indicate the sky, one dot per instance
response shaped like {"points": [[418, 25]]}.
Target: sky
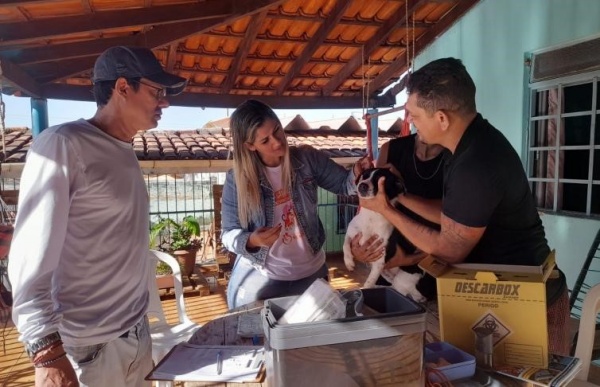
{"points": [[18, 113]]}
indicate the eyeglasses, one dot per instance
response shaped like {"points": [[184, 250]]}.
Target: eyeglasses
{"points": [[161, 92]]}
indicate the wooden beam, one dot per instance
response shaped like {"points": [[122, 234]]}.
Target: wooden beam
{"points": [[243, 50], [160, 36], [314, 18], [22, 32], [324, 29], [12, 3], [87, 6], [61, 69], [82, 93], [171, 57], [19, 78], [437, 29], [398, 19], [52, 71]]}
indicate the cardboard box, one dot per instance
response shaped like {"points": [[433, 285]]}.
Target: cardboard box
{"points": [[499, 306]]}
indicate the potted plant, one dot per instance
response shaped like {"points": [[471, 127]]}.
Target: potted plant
{"points": [[183, 241], [164, 276]]}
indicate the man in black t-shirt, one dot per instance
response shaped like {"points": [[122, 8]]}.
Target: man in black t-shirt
{"points": [[488, 213]]}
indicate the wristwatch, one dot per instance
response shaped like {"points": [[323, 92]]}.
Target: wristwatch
{"points": [[33, 347]]}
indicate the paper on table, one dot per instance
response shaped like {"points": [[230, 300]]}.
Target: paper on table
{"points": [[249, 325], [189, 362], [319, 302]]}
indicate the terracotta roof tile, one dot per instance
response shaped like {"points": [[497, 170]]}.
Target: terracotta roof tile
{"points": [[202, 144]]}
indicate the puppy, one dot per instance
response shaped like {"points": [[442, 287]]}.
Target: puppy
{"points": [[371, 223]]}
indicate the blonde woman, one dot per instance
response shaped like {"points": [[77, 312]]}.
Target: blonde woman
{"points": [[269, 206]]}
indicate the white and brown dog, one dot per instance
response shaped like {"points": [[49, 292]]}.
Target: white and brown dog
{"points": [[371, 223]]}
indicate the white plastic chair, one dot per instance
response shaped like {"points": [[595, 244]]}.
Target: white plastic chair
{"points": [[585, 338], [165, 336]]}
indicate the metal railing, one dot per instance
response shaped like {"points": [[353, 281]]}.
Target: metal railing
{"points": [[178, 195]]}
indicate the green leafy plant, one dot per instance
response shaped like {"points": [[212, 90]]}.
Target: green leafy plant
{"points": [[184, 235], [163, 269]]}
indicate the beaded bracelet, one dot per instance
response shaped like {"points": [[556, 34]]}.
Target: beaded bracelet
{"points": [[46, 363]]}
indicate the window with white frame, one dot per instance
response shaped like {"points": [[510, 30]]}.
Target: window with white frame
{"points": [[564, 143]]}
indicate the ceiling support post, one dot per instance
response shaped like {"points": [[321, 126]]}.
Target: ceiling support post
{"points": [[374, 132], [39, 115]]}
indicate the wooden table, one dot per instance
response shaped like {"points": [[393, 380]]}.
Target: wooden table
{"points": [[223, 331]]}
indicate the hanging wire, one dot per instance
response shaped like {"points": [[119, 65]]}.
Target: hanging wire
{"points": [[2, 126], [362, 57]]}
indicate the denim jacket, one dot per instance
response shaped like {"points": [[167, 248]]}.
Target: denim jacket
{"points": [[312, 169]]}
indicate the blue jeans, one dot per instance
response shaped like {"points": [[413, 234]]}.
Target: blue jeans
{"points": [[247, 284], [124, 361]]}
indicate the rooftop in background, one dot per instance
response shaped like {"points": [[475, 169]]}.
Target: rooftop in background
{"points": [[290, 53], [212, 142]]}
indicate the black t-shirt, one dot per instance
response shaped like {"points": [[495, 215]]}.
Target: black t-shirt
{"points": [[485, 186], [421, 178]]}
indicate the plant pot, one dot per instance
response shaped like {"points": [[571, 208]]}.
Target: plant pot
{"points": [[187, 261], [165, 281]]}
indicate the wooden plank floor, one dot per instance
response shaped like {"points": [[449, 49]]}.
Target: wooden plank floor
{"points": [[16, 370]]}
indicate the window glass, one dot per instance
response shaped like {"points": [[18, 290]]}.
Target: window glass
{"points": [[539, 163], [598, 95], [596, 171], [576, 164], [577, 98], [543, 192], [543, 133], [574, 197], [597, 130], [577, 130], [595, 199], [545, 102]]}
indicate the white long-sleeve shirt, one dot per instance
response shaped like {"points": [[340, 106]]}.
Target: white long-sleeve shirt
{"points": [[78, 259]]}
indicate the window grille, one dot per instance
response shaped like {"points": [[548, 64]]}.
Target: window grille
{"points": [[563, 161]]}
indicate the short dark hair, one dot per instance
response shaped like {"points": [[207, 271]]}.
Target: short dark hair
{"points": [[103, 89], [443, 84]]}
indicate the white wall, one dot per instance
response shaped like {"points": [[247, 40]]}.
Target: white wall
{"points": [[492, 40]]}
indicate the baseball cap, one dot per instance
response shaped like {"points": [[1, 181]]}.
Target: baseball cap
{"points": [[135, 62]]}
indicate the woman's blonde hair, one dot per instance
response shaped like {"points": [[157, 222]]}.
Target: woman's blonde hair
{"points": [[247, 166]]}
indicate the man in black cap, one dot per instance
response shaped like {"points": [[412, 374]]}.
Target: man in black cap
{"points": [[79, 257]]}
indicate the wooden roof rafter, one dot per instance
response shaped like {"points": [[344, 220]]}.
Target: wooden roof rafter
{"points": [[324, 29], [397, 20], [243, 50], [383, 79], [290, 51]]}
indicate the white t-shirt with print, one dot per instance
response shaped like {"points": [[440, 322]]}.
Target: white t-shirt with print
{"points": [[290, 257]]}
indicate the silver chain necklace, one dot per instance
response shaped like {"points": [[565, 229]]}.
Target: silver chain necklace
{"points": [[417, 169]]}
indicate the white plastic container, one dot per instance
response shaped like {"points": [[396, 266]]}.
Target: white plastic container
{"points": [[384, 347]]}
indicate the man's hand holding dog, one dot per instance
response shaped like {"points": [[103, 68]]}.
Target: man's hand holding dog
{"points": [[263, 237], [380, 202], [369, 251]]}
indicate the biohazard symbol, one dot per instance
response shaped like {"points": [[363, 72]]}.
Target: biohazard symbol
{"points": [[490, 323]]}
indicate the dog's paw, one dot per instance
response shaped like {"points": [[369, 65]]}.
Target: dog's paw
{"points": [[417, 297], [350, 264]]}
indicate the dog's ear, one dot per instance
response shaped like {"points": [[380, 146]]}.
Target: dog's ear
{"points": [[400, 186]]}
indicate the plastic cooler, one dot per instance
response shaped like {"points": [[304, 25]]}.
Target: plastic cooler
{"points": [[384, 347]]}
